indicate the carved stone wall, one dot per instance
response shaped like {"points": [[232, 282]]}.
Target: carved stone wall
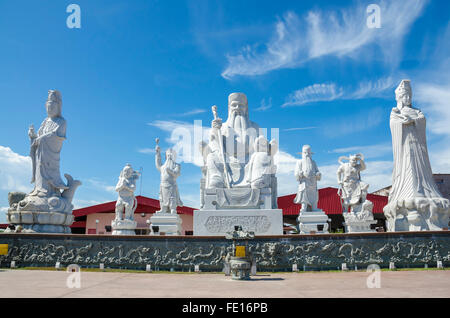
{"points": [[406, 249]]}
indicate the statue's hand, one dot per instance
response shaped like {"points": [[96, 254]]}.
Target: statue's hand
{"points": [[158, 149], [31, 132], [216, 123]]}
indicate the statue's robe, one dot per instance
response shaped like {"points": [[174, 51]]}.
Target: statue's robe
{"points": [[238, 146], [46, 157], [168, 189], [412, 175], [353, 187], [307, 188]]}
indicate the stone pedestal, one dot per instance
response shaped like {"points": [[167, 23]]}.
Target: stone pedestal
{"points": [[169, 224], [40, 222], [357, 224], [220, 222], [123, 227], [313, 221]]}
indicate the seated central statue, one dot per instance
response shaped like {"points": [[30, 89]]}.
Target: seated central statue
{"points": [[231, 146]]}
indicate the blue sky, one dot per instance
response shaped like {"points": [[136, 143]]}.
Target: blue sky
{"points": [[137, 70]]}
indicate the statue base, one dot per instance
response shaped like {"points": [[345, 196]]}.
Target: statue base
{"points": [[40, 221], [167, 223], [220, 222], [313, 221], [358, 224], [123, 227], [417, 214]]}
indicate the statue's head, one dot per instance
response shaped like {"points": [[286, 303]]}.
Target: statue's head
{"points": [[127, 171], [261, 144], [353, 160], [403, 94], [171, 154], [306, 151], [54, 103], [237, 104]]}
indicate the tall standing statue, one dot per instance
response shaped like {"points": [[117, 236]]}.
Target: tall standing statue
{"points": [[415, 203], [169, 197], [311, 218], [238, 185], [353, 193], [307, 174], [126, 204], [166, 219], [48, 208]]}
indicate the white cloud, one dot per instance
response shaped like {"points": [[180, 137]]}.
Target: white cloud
{"points": [[185, 138], [373, 88], [313, 93], [15, 171], [285, 163], [351, 124], [193, 112], [98, 184], [330, 92], [265, 105], [147, 150], [297, 40], [299, 128], [371, 151]]}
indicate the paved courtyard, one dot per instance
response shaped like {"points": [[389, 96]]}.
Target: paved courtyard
{"points": [[37, 283]]}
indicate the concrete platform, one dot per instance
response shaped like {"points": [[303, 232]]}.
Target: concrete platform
{"points": [[37, 283]]}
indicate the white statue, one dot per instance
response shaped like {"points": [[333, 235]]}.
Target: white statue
{"points": [[307, 174], [169, 198], [352, 190], [261, 168], [238, 185], [415, 202], [50, 193], [126, 203], [228, 154], [353, 193]]}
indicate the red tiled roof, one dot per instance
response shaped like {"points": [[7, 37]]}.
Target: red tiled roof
{"points": [[145, 205], [329, 202]]}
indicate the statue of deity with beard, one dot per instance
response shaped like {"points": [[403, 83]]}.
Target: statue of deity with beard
{"points": [[227, 156]]}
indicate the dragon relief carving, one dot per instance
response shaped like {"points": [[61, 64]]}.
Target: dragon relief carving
{"points": [[269, 253]]}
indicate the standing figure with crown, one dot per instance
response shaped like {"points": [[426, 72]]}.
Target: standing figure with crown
{"points": [[48, 208], [415, 203]]}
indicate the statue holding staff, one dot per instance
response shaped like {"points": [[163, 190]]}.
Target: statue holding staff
{"points": [[169, 197]]}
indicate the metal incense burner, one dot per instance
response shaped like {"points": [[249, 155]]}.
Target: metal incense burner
{"points": [[240, 260]]}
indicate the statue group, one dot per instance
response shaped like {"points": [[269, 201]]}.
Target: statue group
{"points": [[239, 185]]}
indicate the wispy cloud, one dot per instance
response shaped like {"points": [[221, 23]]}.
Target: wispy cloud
{"points": [[373, 88], [297, 40], [371, 151], [299, 128], [313, 93], [192, 112], [101, 185], [352, 124], [331, 92], [264, 105], [147, 150]]}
